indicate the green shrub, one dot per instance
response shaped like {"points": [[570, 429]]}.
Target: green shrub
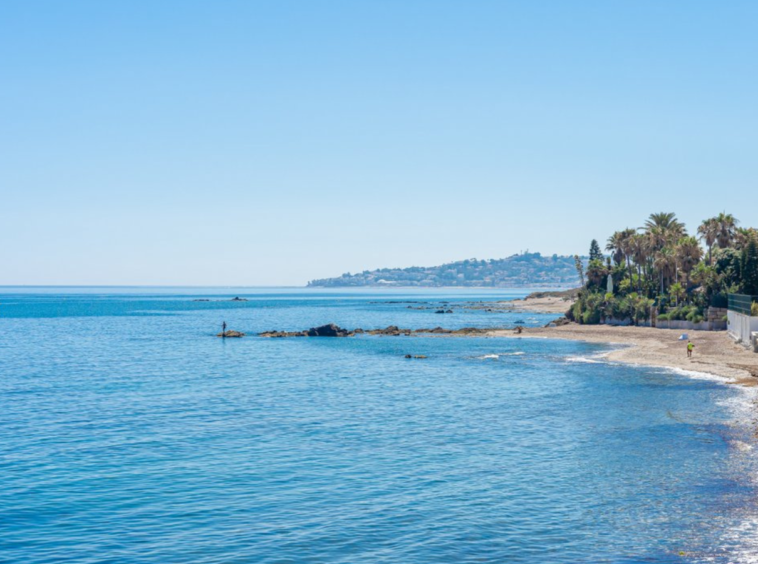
{"points": [[591, 317]]}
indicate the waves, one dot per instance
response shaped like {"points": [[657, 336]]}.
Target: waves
{"points": [[497, 356]]}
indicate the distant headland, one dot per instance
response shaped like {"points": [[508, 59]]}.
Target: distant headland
{"points": [[521, 270]]}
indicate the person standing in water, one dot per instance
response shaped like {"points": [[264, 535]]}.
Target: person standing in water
{"points": [[223, 329], [690, 346]]}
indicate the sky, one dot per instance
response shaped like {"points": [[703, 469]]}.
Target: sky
{"points": [[273, 142]]}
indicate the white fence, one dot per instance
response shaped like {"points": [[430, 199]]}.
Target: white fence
{"points": [[741, 327]]}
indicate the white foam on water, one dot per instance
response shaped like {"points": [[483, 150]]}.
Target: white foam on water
{"points": [[695, 375], [497, 356], [597, 359], [740, 540]]}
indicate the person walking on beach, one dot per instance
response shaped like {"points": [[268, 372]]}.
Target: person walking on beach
{"points": [[690, 346]]}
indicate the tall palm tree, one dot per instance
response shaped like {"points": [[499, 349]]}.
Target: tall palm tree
{"points": [[664, 262], [615, 245], [620, 244], [726, 229], [638, 250], [667, 221], [656, 238], [688, 253], [707, 233]]}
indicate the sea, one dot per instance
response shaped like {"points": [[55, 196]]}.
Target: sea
{"points": [[131, 434]]}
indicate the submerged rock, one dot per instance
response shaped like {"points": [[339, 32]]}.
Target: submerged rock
{"points": [[392, 330]]}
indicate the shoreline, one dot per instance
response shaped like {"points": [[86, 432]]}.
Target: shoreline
{"points": [[715, 352], [542, 304]]}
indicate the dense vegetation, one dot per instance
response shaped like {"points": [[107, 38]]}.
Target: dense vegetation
{"points": [[661, 267], [526, 269]]}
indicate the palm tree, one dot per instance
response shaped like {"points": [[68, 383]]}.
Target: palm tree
{"points": [[596, 272], [616, 246], [667, 221], [638, 249], [688, 254], [665, 263], [620, 244], [743, 235], [656, 238], [726, 229], [707, 233], [677, 292]]}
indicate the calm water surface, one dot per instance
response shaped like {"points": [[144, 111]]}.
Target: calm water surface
{"points": [[130, 434]]}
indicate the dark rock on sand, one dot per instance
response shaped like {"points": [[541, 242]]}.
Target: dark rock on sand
{"points": [[558, 322]]}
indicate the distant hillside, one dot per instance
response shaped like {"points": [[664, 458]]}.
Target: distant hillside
{"points": [[528, 269]]}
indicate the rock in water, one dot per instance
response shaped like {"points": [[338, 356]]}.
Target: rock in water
{"points": [[330, 330], [230, 334]]}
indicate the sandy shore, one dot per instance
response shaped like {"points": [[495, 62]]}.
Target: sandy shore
{"points": [[538, 305], [715, 352]]}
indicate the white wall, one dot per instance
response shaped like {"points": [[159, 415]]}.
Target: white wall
{"points": [[740, 326]]}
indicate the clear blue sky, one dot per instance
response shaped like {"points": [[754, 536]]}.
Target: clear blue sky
{"points": [[263, 143]]}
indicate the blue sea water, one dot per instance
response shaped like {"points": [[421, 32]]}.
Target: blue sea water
{"points": [[129, 433]]}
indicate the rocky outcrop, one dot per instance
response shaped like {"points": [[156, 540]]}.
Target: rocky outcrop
{"points": [[333, 330], [558, 322], [230, 334], [330, 330], [392, 330]]}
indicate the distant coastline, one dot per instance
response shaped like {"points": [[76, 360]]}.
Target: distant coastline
{"points": [[526, 270]]}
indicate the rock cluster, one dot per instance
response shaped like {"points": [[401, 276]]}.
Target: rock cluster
{"points": [[230, 334], [558, 322], [333, 330]]}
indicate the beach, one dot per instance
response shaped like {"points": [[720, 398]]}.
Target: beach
{"points": [[715, 352], [546, 304]]}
